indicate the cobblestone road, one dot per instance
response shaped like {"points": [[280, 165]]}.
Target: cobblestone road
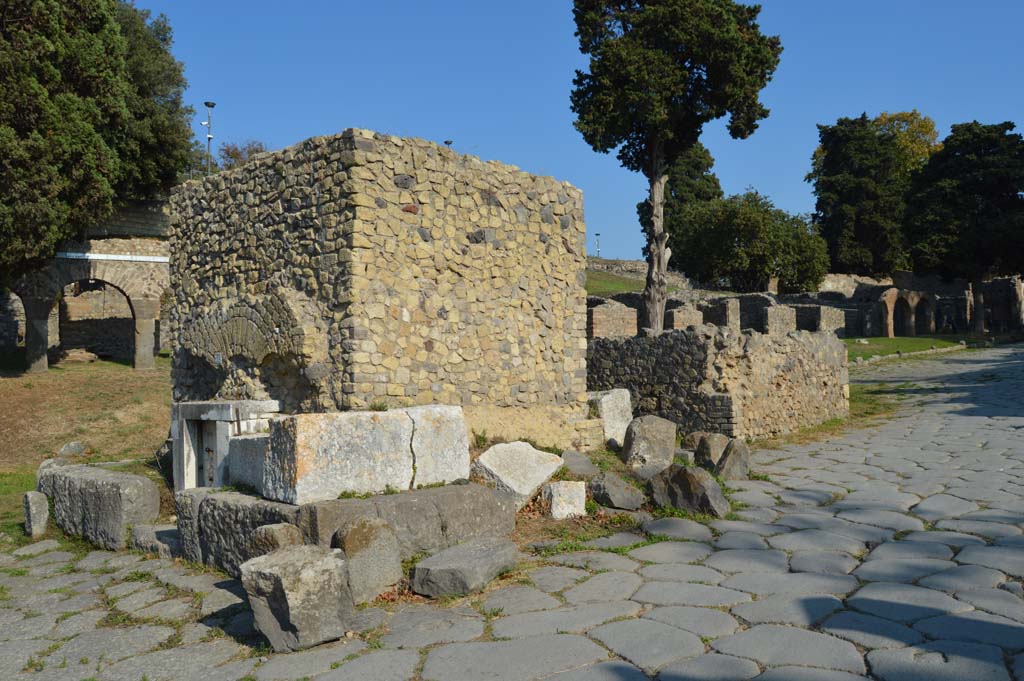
{"points": [[894, 554]]}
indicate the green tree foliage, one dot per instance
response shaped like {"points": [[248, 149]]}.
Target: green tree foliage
{"points": [[741, 242], [90, 113], [659, 70], [860, 186], [233, 155], [965, 213], [915, 136]]}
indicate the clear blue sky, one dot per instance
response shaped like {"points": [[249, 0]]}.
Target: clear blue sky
{"points": [[495, 78]]}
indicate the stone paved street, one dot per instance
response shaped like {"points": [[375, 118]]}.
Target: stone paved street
{"points": [[894, 554]]}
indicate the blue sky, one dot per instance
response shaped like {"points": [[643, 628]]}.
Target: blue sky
{"points": [[495, 78]]}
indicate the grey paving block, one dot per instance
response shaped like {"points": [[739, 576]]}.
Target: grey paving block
{"points": [[679, 572], [619, 540], [595, 560], [110, 645], [682, 593], [748, 560], [1008, 559], [423, 625], [464, 568], [513, 600], [869, 631], [786, 609], [740, 540], [764, 584], [672, 552], [554, 579], [805, 674], [613, 670], [208, 661], [887, 519], [772, 645], [825, 562], [816, 540], [606, 586], [706, 622], [980, 527], [939, 660], [648, 644], [954, 539], [975, 627], [897, 550], [678, 528], [963, 578], [575, 619], [903, 602], [521, 660], [308, 662], [710, 667], [900, 569], [997, 601]]}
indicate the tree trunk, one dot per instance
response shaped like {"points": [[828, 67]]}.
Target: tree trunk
{"points": [[978, 318], [656, 290]]}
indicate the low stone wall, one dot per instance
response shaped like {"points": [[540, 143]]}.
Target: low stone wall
{"points": [[709, 378], [611, 319]]}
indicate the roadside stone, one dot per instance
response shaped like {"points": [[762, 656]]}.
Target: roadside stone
{"points": [[869, 631], [37, 513], [574, 619], [269, 538], [160, 540], [734, 464], [648, 644], [649, 446], [604, 587], [688, 488], [706, 622], [579, 464], [903, 602], [772, 645], [939, 660], [226, 522], [678, 528], [608, 489], [371, 556], [565, 499], [186, 508], [533, 658], [802, 611], [709, 450], [71, 449], [710, 667], [514, 600], [517, 468], [299, 596], [464, 568], [615, 409]]}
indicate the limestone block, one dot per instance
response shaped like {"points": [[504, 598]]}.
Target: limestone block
{"points": [[37, 513], [98, 504], [186, 509], [246, 456], [688, 488], [517, 468], [226, 522], [464, 568], [269, 538], [315, 457], [161, 540], [615, 410], [710, 448], [735, 461], [299, 596], [371, 553], [649, 445], [565, 499], [440, 444], [608, 489]]}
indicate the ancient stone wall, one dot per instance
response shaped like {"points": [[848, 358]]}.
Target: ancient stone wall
{"points": [[743, 385], [361, 269], [610, 319]]}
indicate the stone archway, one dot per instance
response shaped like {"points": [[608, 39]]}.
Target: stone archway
{"points": [[903, 317], [924, 317]]}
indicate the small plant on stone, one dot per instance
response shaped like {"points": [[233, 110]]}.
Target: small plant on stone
{"points": [[378, 405], [480, 440], [763, 477]]}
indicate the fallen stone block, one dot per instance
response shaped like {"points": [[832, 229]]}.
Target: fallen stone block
{"points": [[371, 554], [299, 596], [162, 540], [75, 448], [245, 460], [469, 511], [579, 464], [615, 409], [269, 538], [98, 504], [37, 513], [688, 488], [464, 568], [186, 509], [565, 499], [735, 461], [691, 440], [710, 449], [226, 522], [517, 468], [608, 489], [649, 446]]}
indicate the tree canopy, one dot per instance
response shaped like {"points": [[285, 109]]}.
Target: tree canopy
{"points": [[90, 114], [659, 71], [233, 155], [741, 242]]}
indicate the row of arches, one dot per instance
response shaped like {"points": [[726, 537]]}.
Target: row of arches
{"points": [[909, 313]]}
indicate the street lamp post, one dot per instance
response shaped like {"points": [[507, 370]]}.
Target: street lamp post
{"points": [[208, 124], [598, 235]]}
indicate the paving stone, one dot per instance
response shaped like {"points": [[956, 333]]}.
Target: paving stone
{"points": [[576, 619], [37, 548], [464, 568], [36, 626], [900, 569], [678, 528], [765, 584], [423, 625], [998, 601], [77, 624], [613, 670], [206, 661], [825, 562], [710, 667], [786, 609], [816, 540], [772, 645], [955, 539], [897, 550], [140, 599], [903, 602], [975, 627], [173, 610], [740, 540], [648, 644], [964, 577], [606, 586], [384, 665], [869, 631], [513, 600], [596, 560], [619, 540], [980, 528], [552, 579], [520, 660], [887, 519], [1005, 558], [940, 506], [742, 560], [706, 622], [14, 655], [672, 552], [678, 572], [763, 529], [805, 674], [682, 593], [46, 559], [307, 662], [109, 645], [939, 660]]}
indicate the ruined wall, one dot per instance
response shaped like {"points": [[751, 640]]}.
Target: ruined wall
{"points": [[748, 385], [377, 269]]}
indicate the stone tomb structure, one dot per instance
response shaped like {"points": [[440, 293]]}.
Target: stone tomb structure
{"points": [[366, 272]]}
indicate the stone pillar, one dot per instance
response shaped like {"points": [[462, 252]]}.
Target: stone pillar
{"points": [[146, 312], [37, 334]]}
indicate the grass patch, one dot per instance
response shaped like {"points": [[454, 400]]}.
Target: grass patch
{"points": [[891, 346], [605, 284]]}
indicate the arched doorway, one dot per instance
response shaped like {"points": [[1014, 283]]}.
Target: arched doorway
{"points": [[902, 318], [97, 317], [924, 317]]}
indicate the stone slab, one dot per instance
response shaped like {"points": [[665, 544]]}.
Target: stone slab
{"points": [[464, 568], [516, 468]]}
